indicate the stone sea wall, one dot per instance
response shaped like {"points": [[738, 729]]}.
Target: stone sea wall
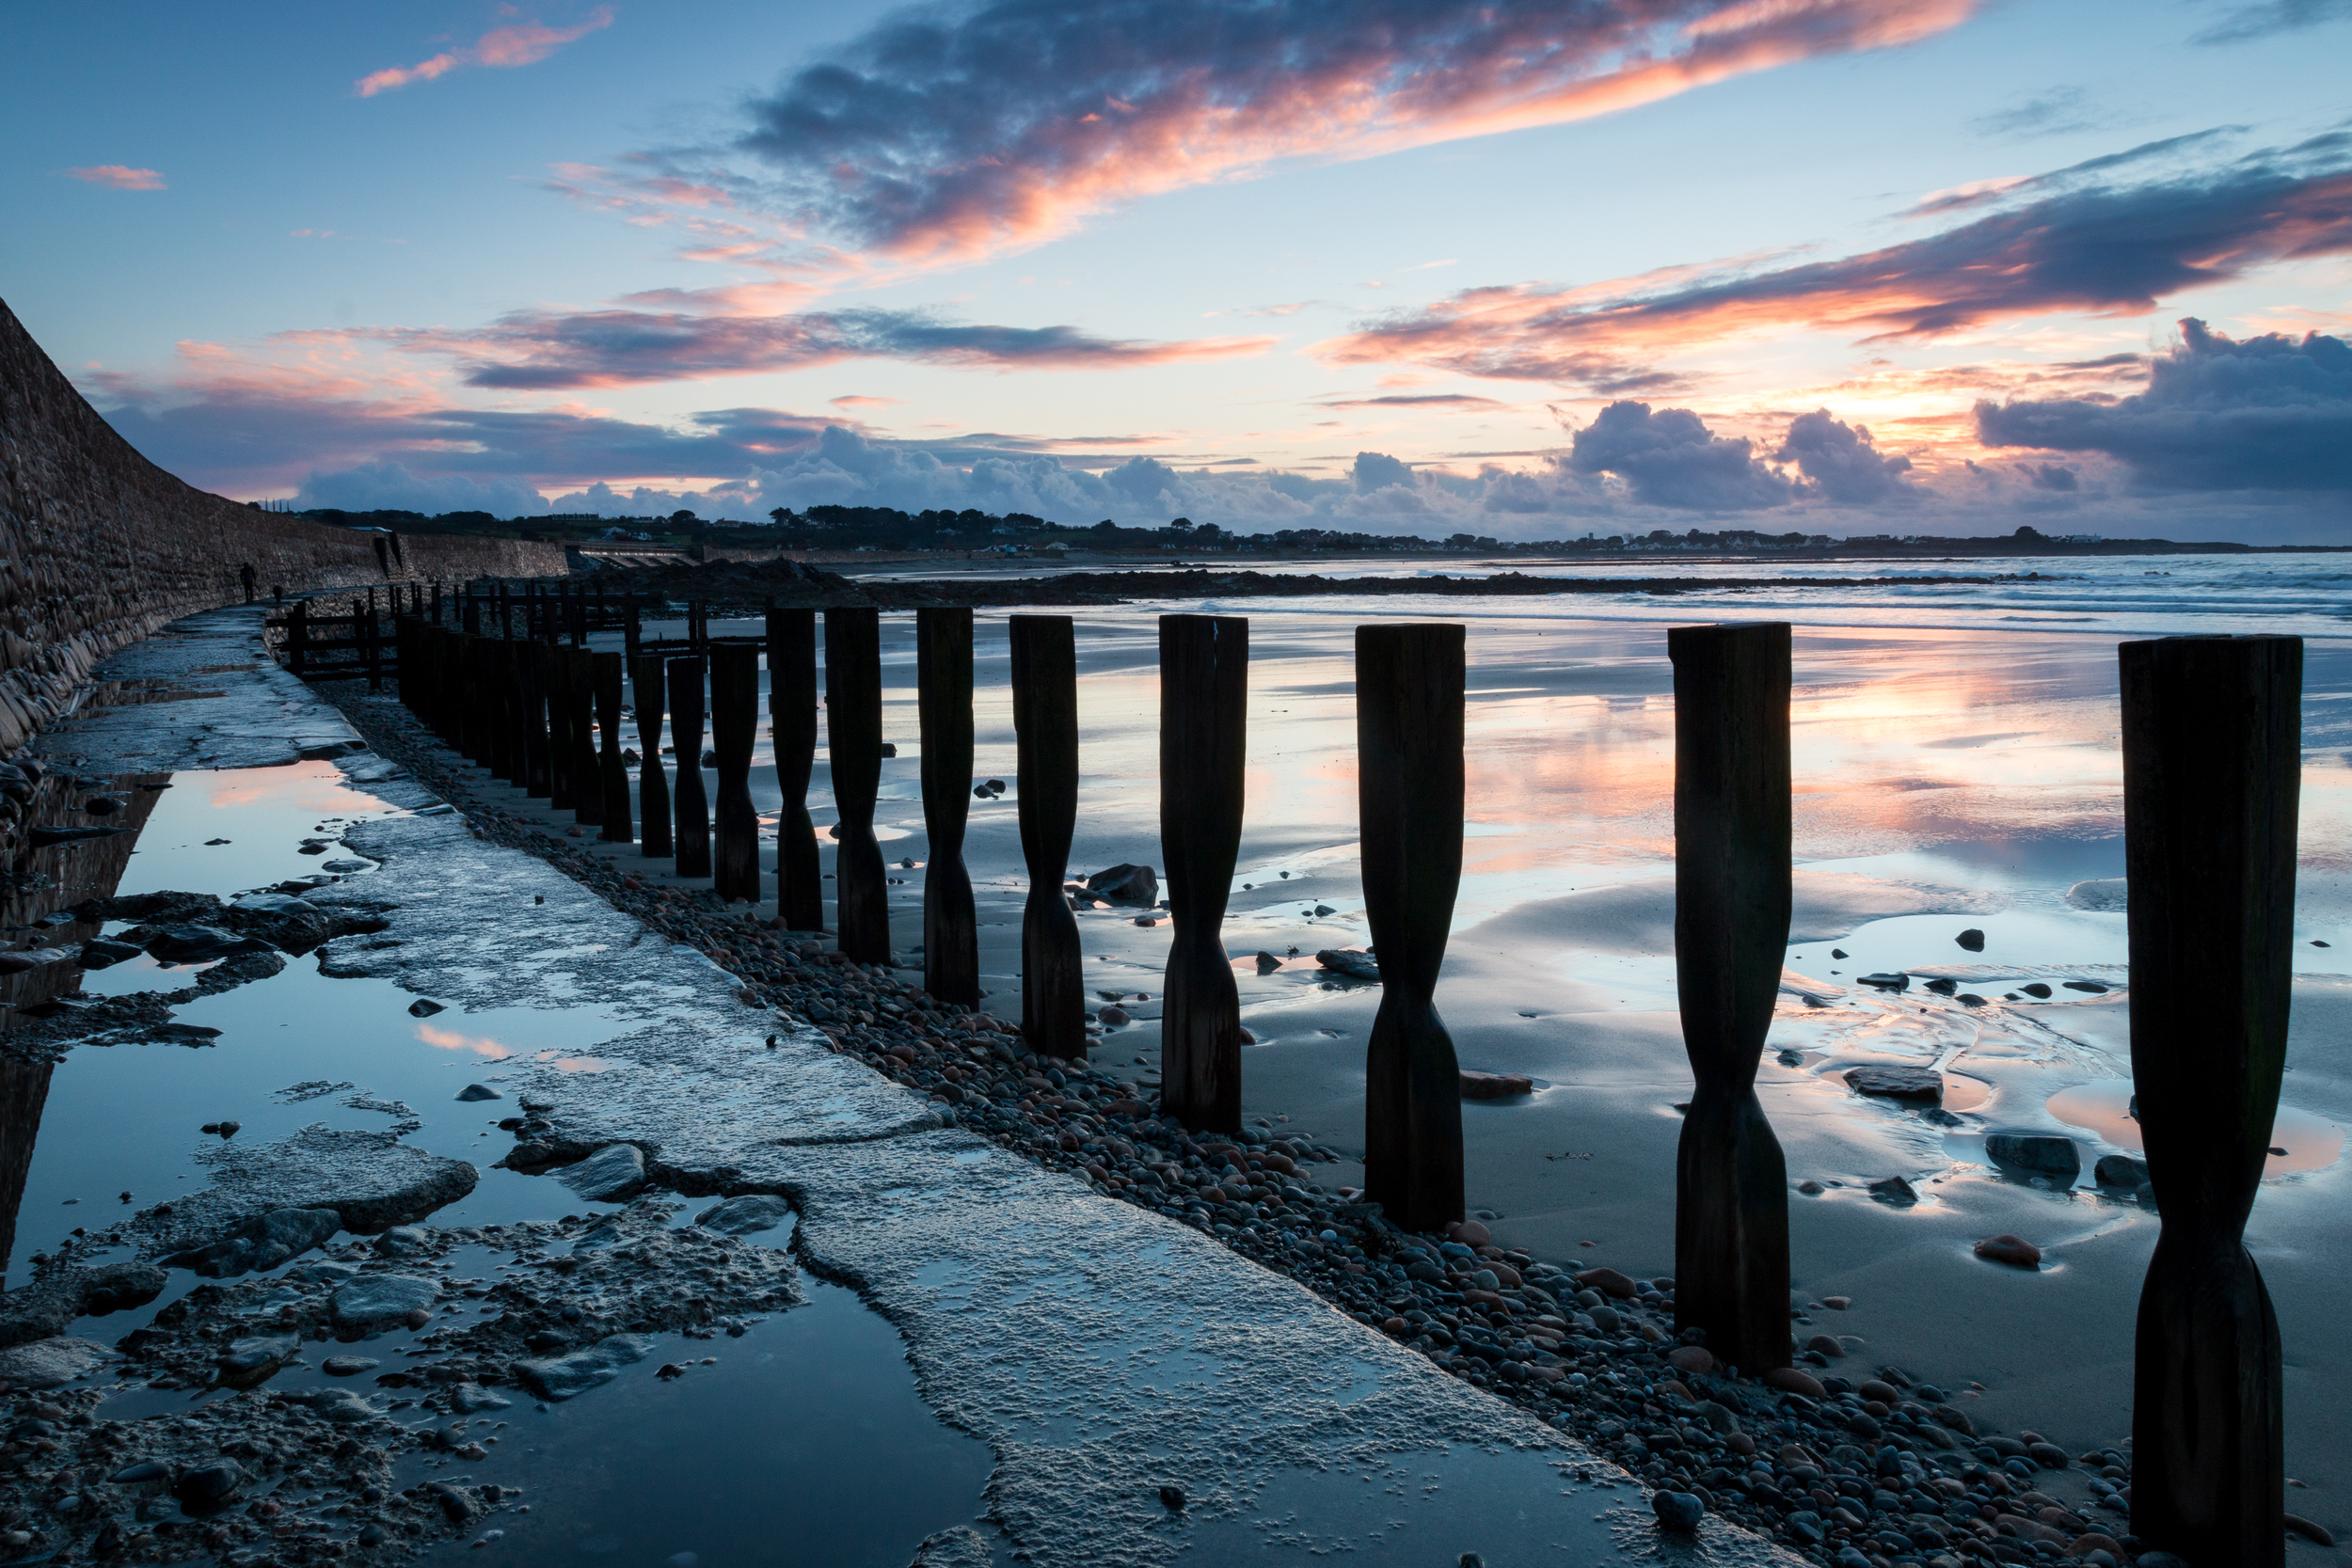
{"points": [[98, 547]]}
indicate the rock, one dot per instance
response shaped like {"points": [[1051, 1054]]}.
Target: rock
{"points": [[120, 1287], [475, 1092], [1971, 939], [2107, 894], [2041, 1154], [349, 1365], [425, 1008], [48, 1363], [1173, 1497], [1837, 1304], [1881, 1390], [2089, 987], [2121, 1170], [564, 1376], [25, 958], [196, 944], [210, 1485], [144, 1474], [370, 1180], [1125, 884], [341, 1406], [960, 1547], [1943, 987], [1470, 1234], [1608, 1282], [470, 1397], [104, 952], [1677, 1511], [2009, 1249], [1113, 1017], [747, 1216], [381, 1300], [1894, 981], [1355, 966], [1824, 1344], [1694, 1359], [262, 1241], [613, 1174], [1495, 1085], [1789, 1380], [252, 1360], [1268, 963], [1896, 1083], [1894, 1190]]}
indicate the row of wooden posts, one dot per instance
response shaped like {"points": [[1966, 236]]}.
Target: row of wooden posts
{"points": [[2211, 763], [312, 630]]}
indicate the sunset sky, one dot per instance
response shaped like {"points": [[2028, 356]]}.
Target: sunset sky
{"points": [[1529, 270]]}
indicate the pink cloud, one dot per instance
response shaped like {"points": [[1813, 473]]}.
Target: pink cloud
{"points": [[519, 44], [119, 176]]}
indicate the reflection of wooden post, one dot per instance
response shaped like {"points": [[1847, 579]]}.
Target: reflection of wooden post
{"points": [[1046, 723], [734, 731], [2212, 754], [587, 777], [853, 722], [1409, 744], [613, 771], [1731, 933], [692, 815], [951, 938], [1204, 689], [650, 692], [792, 731]]}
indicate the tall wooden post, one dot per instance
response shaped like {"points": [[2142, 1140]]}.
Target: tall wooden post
{"points": [[692, 814], [479, 720], [499, 682], [792, 732], [1409, 744], [734, 732], [562, 790], [530, 717], [368, 647], [2212, 762], [952, 937], [1731, 936], [649, 690], [298, 638], [587, 777], [632, 631], [1204, 690], [853, 722], [1045, 728], [605, 671]]}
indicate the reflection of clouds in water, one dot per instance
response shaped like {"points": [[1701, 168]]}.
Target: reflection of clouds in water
{"points": [[2103, 1107], [448, 1040], [562, 1063], [312, 787]]}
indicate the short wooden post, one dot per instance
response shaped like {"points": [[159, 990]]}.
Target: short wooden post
{"points": [[1409, 744], [2212, 764], [952, 937], [506, 734], [587, 775], [531, 688], [853, 724], [1045, 730], [734, 732], [691, 817], [368, 646], [607, 673], [792, 732], [649, 691], [1204, 689], [472, 611], [1731, 936], [632, 631], [299, 639]]}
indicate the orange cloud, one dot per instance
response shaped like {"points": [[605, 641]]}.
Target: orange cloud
{"points": [[120, 177], [519, 44]]}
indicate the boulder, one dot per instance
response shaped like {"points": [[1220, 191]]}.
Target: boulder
{"points": [[1896, 1083], [1355, 966], [613, 1174], [374, 1300], [475, 1093], [1972, 939], [563, 1377], [120, 1287], [2039, 1154], [196, 944], [262, 1241], [2121, 1170], [2012, 1250], [1125, 884]]}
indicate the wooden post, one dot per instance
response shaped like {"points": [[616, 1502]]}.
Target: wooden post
{"points": [[633, 632], [499, 687], [606, 672], [1045, 728], [297, 638], [1731, 937], [547, 661], [2212, 762], [1204, 690], [649, 690], [951, 936], [692, 815], [792, 732], [531, 692], [472, 611], [587, 774], [1408, 776], [853, 724], [734, 732]]}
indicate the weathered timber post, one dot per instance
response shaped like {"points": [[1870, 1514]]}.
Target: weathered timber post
{"points": [[579, 616], [2212, 759], [587, 778], [632, 632], [370, 649], [547, 663], [734, 732], [614, 773], [1204, 689], [792, 733], [1408, 743], [650, 692], [531, 719], [472, 724], [853, 723], [404, 662], [692, 815], [437, 601], [472, 611], [1045, 729], [951, 936], [504, 737], [1731, 937], [297, 638]]}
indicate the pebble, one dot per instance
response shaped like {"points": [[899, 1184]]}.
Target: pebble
{"points": [[473, 1092], [1677, 1511], [2009, 1250], [349, 1365]]}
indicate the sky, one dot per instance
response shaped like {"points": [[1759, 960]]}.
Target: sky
{"points": [[1532, 269]]}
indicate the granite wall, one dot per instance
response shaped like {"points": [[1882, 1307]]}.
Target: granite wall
{"points": [[98, 547]]}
